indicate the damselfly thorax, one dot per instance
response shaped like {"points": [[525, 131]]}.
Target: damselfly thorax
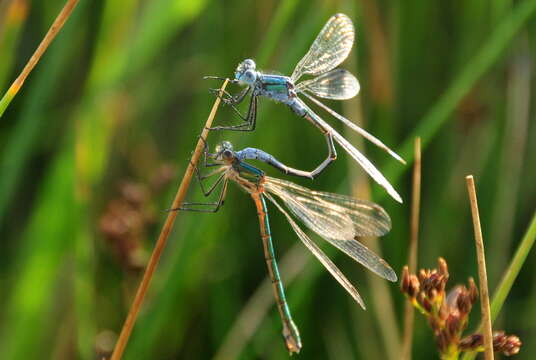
{"points": [[279, 88]]}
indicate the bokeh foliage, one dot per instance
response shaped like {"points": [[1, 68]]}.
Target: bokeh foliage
{"points": [[120, 93]]}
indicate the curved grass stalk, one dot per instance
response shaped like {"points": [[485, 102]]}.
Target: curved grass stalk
{"points": [[164, 234], [43, 46], [412, 252]]}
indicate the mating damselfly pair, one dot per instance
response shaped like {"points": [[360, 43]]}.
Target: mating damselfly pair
{"points": [[338, 219]]}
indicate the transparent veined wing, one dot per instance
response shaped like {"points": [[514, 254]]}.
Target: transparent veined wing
{"points": [[330, 48], [338, 219], [356, 128], [320, 255], [332, 215], [338, 84], [354, 153]]}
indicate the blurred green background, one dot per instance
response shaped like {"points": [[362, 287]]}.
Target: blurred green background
{"points": [[93, 148]]}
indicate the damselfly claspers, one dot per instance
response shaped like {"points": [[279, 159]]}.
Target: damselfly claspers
{"points": [[338, 219]]}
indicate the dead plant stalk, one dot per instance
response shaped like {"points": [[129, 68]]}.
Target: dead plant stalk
{"points": [[482, 275], [164, 234], [412, 252], [43, 46]]}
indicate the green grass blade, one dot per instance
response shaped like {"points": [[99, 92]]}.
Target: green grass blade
{"points": [[513, 270], [45, 244]]}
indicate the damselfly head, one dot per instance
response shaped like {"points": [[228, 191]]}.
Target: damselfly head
{"points": [[246, 72], [224, 151]]}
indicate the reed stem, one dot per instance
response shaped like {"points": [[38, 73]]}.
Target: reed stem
{"points": [[482, 275], [412, 252], [164, 234]]}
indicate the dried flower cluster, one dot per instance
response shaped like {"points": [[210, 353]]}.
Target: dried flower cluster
{"points": [[448, 314], [507, 344]]}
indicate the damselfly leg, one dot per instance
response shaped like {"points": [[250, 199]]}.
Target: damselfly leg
{"points": [[207, 206], [250, 119]]}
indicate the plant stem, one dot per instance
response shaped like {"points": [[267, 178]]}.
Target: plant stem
{"points": [[51, 34], [164, 234], [412, 253], [510, 275], [483, 278]]}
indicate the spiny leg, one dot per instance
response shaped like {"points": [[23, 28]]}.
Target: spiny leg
{"points": [[201, 178], [250, 119], [232, 101], [192, 206]]}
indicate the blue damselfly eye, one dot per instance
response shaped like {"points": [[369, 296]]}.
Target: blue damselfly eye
{"points": [[249, 76], [249, 64]]}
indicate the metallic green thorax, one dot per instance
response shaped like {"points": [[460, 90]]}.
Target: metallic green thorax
{"points": [[249, 172]]}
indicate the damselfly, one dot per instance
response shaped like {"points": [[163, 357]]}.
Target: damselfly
{"points": [[338, 219], [330, 48]]}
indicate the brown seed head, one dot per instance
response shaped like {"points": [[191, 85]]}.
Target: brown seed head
{"points": [[423, 275], [507, 344], [464, 303], [453, 296], [432, 295], [435, 324], [442, 341], [471, 342], [473, 291], [443, 268], [453, 326], [414, 286]]}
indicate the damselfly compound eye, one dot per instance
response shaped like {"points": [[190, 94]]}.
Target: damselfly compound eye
{"points": [[249, 64], [250, 76]]}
